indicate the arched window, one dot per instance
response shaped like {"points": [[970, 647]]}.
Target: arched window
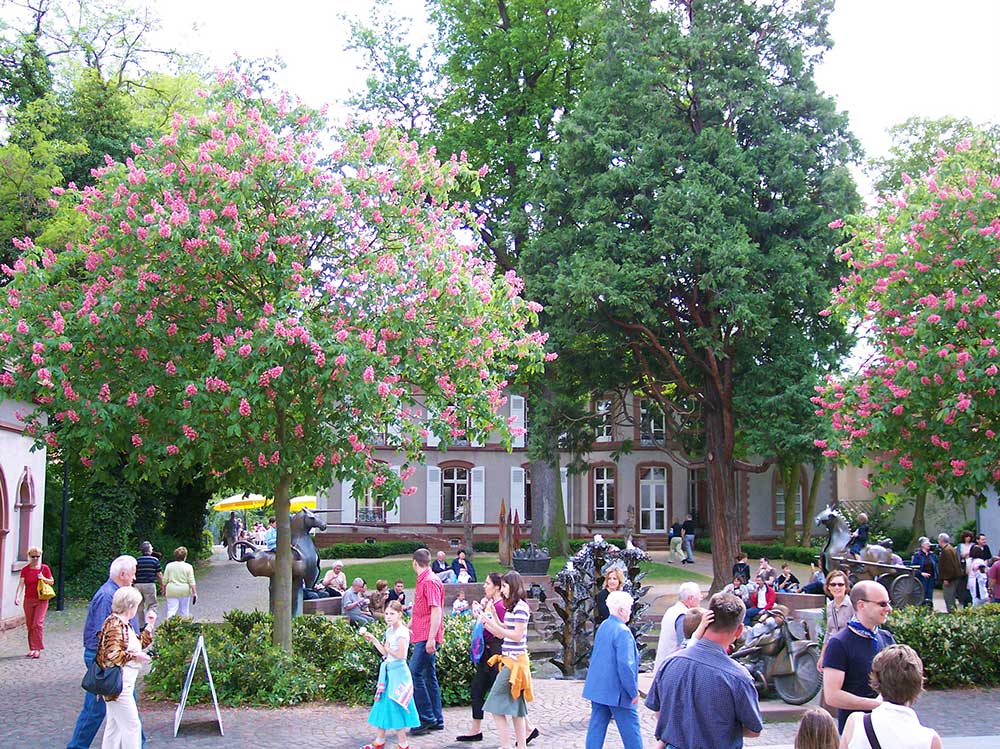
{"points": [[454, 493], [778, 497], [25, 506]]}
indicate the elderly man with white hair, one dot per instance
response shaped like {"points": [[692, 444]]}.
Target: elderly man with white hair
{"points": [[355, 604], [120, 575], [672, 624], [612, 684]]}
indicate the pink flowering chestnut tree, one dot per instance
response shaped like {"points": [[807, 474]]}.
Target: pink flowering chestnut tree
{"points": [[923, 283], [242, 301]]}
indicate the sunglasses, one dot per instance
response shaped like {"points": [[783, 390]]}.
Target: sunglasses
{"points": [[881, 604], [836, 585], [36, 556]]}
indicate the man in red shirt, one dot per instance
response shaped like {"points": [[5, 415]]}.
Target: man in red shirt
{"points": [[993, 578], [426, 633]]}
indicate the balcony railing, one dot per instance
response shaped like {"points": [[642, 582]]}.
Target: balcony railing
{"points": [[371, 514]]}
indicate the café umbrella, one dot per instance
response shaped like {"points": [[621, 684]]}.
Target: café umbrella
{"points": [[255, 501]]}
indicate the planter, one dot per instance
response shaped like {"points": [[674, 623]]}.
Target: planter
{"points": [[535, 566]]}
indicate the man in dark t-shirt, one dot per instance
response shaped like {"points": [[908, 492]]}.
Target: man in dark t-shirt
{"points": [[847, 662], [688, 535], [148, 579]]}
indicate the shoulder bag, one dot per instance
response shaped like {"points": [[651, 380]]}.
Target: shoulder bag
{"points": [[45, 591], [870, 732], [104, 682]]}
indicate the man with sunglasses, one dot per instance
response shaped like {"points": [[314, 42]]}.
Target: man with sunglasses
{"points": [[847, 661]]}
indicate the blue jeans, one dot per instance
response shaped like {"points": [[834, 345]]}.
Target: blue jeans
{"points": [[88, 723], [689, 546], [426, 694], [928, 584], [751, 613], [626, 718]]}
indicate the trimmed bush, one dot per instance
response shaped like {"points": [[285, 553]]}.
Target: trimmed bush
{"points": [[802, 554], [958, 650], [381, 549], [331, 661]]}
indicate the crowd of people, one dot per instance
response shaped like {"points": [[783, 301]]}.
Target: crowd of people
{"points": [[701, 695]]}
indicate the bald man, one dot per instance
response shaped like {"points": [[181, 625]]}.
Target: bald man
{"points": [[847, 662]]}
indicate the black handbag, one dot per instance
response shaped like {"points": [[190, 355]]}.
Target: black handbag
{"points": [[103, 682]]}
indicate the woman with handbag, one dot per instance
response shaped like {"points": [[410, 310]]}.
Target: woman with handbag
{"points": [[120, 647], [35, 589]]}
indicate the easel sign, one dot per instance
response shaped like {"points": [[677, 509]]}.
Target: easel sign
{"points": [[199, 649]]}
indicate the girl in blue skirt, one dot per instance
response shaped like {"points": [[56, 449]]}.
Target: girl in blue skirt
{"points": [[394, 708]]}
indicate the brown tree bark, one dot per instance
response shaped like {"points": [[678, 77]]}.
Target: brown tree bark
{"points": [[720, 465], [919, 519], [282, 580]]}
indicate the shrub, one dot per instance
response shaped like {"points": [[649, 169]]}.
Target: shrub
{"points": [[801, 554], [958, 650], [330, 661]]}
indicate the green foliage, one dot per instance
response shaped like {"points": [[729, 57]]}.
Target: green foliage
{"points": [[803, 555], [376, 550], [330, 661], [958, 650]]}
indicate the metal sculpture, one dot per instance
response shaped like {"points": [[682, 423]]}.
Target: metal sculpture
{"points": [[840, 538], [305, 559], [578, 584]]}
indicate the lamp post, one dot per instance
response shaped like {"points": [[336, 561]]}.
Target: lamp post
{"points": [[60, 598]]}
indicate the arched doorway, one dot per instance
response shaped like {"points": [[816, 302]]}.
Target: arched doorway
{"points": [[4, 528]]}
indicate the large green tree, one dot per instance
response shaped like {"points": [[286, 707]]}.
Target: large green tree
{"points": [[688, 207]]}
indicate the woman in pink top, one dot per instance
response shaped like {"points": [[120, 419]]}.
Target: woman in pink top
{"points": [[34, 607]]}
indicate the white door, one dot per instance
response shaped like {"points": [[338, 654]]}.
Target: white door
{"points": [[653, 500]]}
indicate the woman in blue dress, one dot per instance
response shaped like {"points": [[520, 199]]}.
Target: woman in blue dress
{"points": [[393, 708]]}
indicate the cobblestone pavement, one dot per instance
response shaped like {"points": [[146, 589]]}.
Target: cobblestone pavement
{"points": [[41, 698]]}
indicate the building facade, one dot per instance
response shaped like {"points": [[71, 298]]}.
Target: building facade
{"points": [[643, 489], [22, 503]]}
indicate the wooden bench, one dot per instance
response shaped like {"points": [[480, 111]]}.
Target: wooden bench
{"points": [[325, 606]]}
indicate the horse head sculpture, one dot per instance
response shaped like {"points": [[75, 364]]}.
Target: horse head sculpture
{"points": [[840, 537]]}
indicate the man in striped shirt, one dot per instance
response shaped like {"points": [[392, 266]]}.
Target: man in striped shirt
{"points": [[148, 578]]}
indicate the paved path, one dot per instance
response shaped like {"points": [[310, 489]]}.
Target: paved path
{"points": [[45, 695]]}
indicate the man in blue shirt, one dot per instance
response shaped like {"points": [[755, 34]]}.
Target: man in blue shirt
{"points": [[705, 699], [612, 684], [121, 574], [271, 537]]}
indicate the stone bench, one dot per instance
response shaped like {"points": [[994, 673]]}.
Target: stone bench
{"points": [[325, 606], [796, 601]]}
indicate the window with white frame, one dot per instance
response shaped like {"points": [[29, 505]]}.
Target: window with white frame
{"points": [[605, 427], [779, 503], [696, 487], [604, 494], [372, 510], [652, 423], [454, 494]]}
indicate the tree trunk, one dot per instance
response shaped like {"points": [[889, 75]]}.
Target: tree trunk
{"points": [[548, 517], [819, 469], [282, 580], [919, 519], [790, 481], [720, 471]]}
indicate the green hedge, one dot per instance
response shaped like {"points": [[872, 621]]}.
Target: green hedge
{"points": [[331, 661], [805, 555], [958, 650], [381, 549]]}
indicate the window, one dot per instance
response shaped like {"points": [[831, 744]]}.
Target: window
{"points": [[454, 494], [652, 499], [652, 423], [604, 494], [373, 509], [779, 503], [605, 429], [25, 504], [696, 490], [527, 495]]}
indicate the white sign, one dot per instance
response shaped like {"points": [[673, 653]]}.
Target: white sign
{"points": [[199, 649]]}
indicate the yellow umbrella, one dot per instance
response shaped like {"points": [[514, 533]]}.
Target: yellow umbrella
{"points": [[239, 502], [300, 503]]}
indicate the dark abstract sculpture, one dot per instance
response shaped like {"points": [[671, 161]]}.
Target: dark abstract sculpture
{"points": [[531, 560], [305, 559], [578, 584]]}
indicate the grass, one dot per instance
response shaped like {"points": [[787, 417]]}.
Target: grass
{"points": [[393, 568]]}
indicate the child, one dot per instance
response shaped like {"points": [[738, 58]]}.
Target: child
{"points": [[817, 731], [787, 582], [978, 580], [859, 539], [377, 600], [460, 606], [394, 708]]}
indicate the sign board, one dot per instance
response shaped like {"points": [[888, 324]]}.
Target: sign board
{"points": [[199, 649]]}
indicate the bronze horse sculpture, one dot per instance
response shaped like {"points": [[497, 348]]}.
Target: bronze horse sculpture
{"points": [[305, 559], [840, 538]]}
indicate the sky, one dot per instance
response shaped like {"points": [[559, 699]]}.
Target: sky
{"points": [[892, 58]]}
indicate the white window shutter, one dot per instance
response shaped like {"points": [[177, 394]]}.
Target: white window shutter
{"points": [[564, 478], [348, 507], [433, 495], [517, 414], [392, 516], [432, 439], [517, 492], [479, 495]]}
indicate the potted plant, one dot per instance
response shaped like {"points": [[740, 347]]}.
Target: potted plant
{"points": [[532, 560]]}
